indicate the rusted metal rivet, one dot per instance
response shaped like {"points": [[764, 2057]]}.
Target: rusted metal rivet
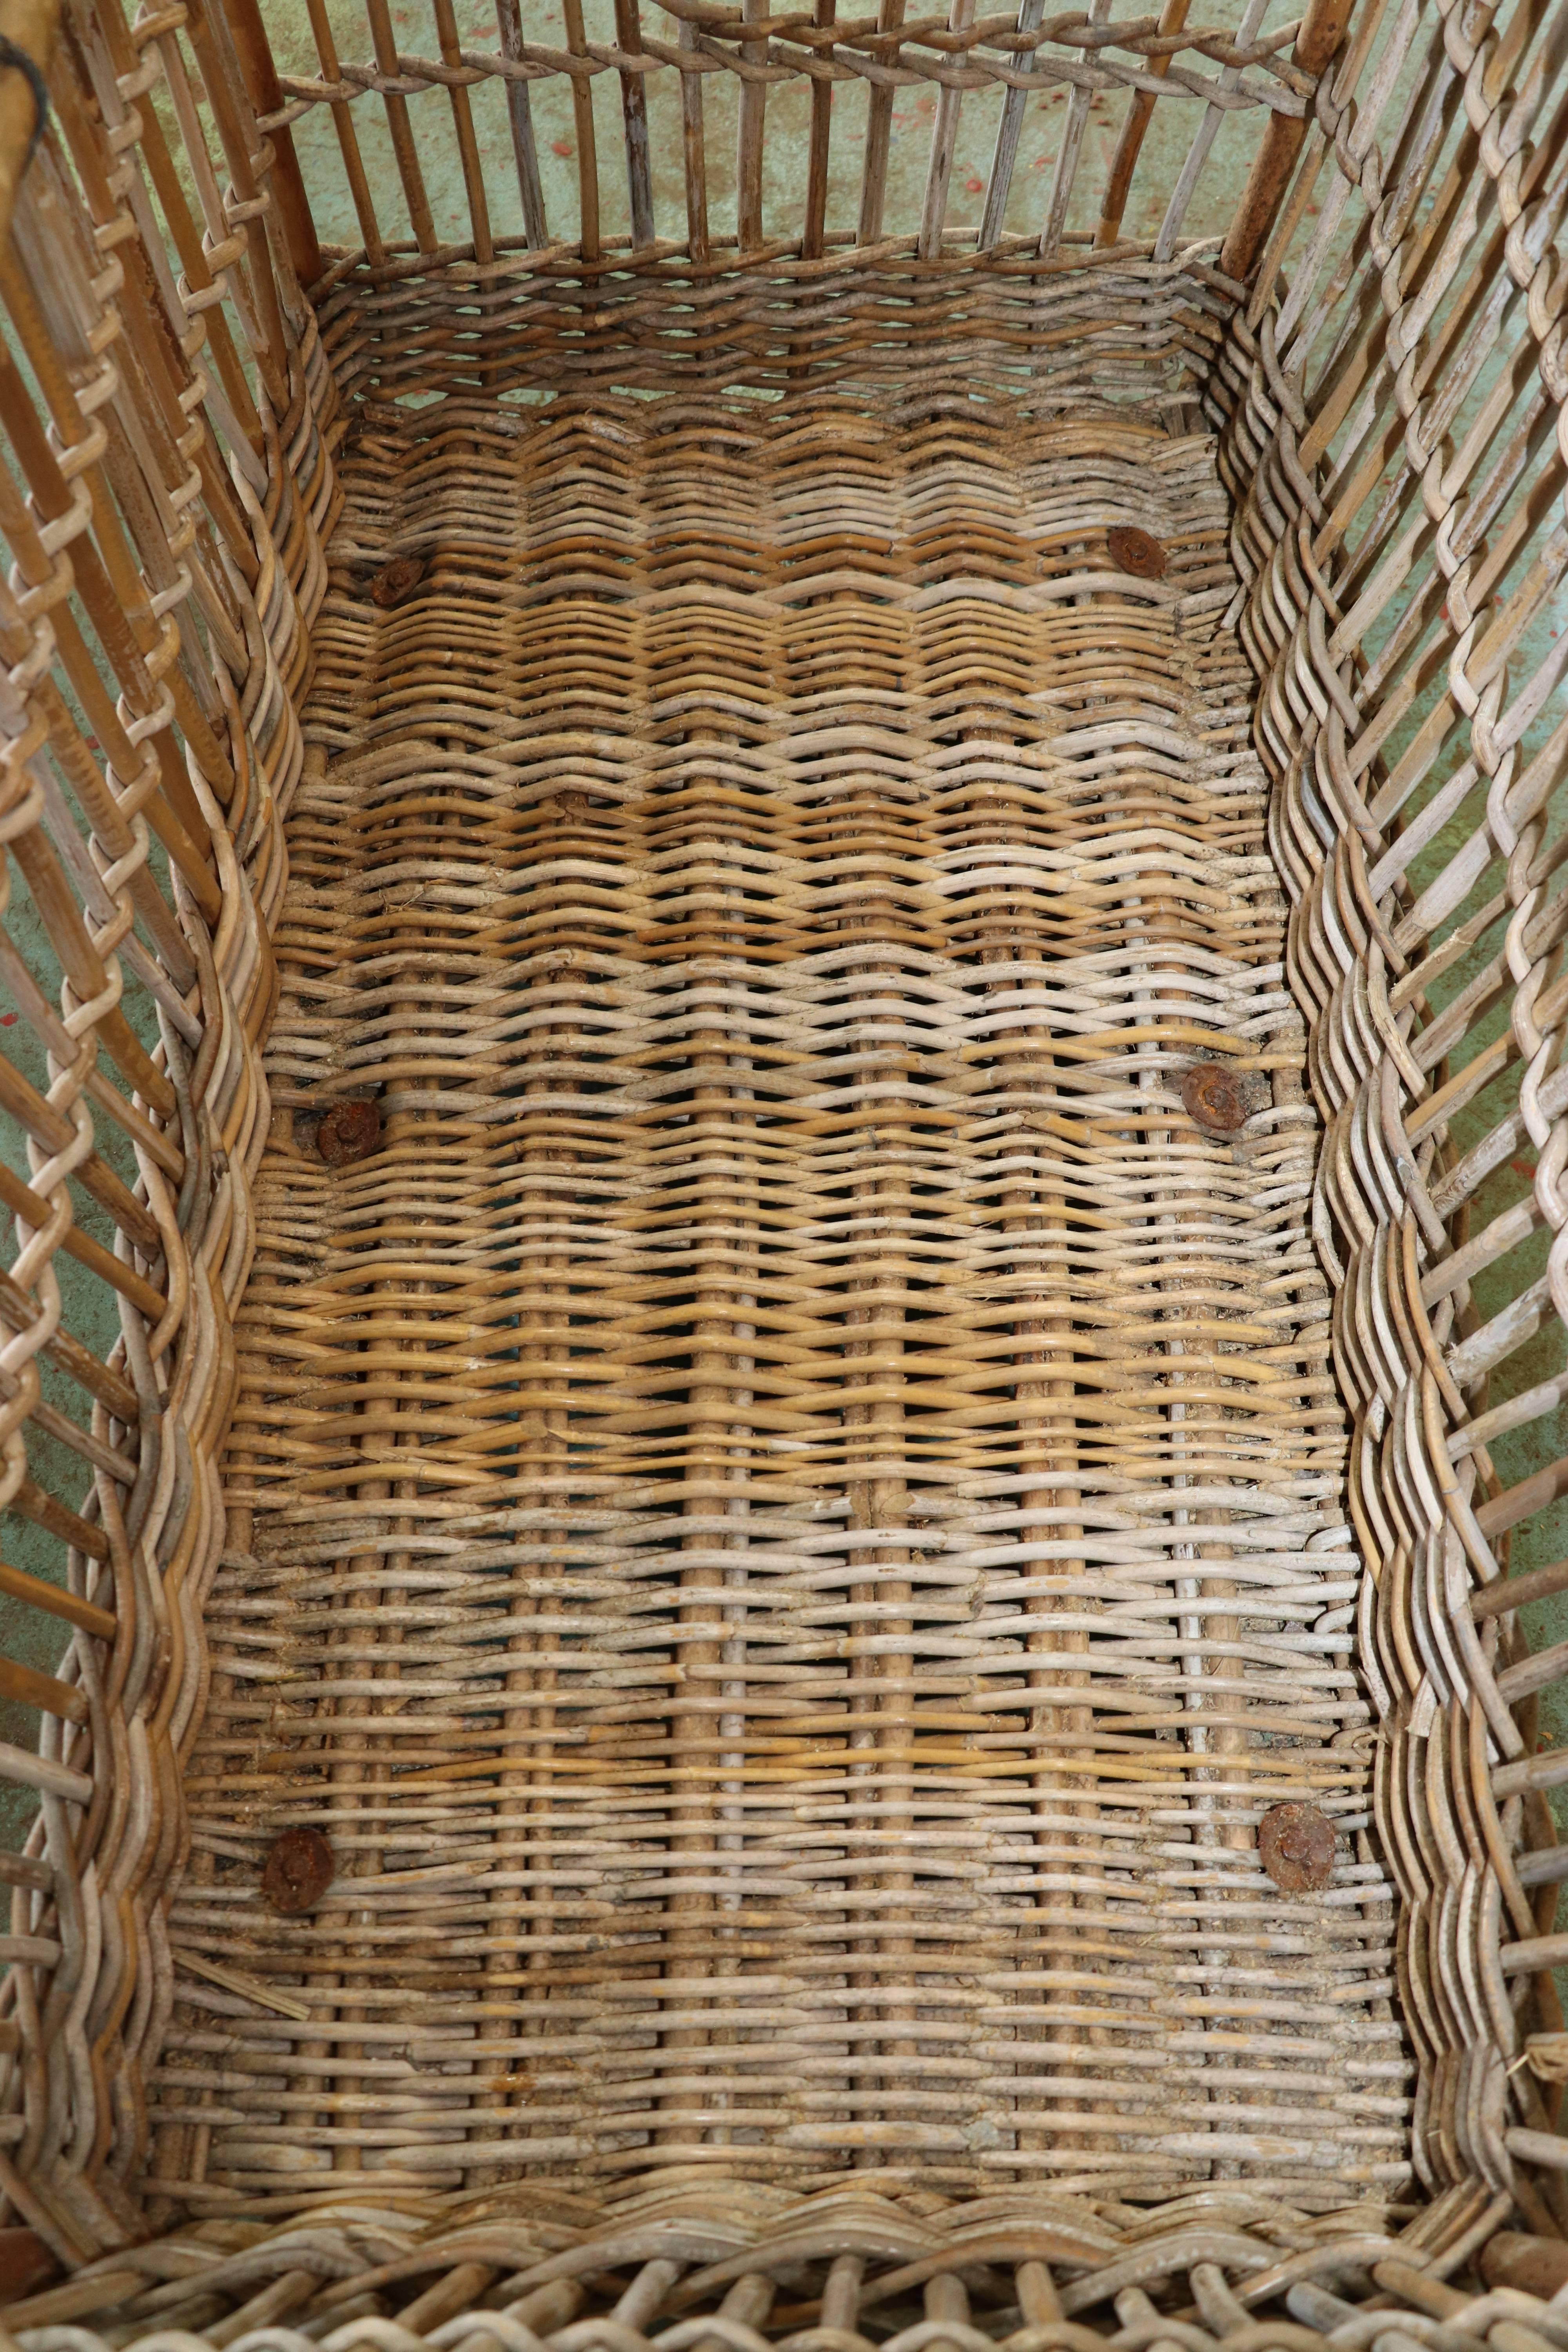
{"points": [[399, 578], [25, 2262], [1134, 551], [298, 1871], [1296, 1847], [1214, 1096], [348, 1131]]}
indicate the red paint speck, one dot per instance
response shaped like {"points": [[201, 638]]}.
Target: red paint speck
{"points": [[1524, 1168], [6, 1019], [560, 147], [973, 185]]}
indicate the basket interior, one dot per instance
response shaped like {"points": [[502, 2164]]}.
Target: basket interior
{"points": [[793, 1496], [684, 1506]]}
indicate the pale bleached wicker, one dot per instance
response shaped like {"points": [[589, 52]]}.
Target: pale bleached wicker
{"points": [[789, 1520]]}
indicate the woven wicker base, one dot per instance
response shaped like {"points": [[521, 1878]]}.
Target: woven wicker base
{"points": [[795, 1526]]}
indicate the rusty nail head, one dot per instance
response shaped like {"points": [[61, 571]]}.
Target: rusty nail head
{"points": [[398, 579], [1296, 1846], [25, 2262], [1214, 1096], [348, 1131], [298, 1871], [1134, 551]]}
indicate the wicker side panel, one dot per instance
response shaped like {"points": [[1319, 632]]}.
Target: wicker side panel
{"points": [[1131, 330], [163, 394], [1398, 450], [688, 167]]}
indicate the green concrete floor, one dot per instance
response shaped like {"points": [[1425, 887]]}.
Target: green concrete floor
{"points": [[88, 1307]]}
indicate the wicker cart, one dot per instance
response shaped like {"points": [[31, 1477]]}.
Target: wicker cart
{"points": [[786, 989]]}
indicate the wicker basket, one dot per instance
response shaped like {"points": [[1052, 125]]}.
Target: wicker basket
{"points": [[790, 984]]}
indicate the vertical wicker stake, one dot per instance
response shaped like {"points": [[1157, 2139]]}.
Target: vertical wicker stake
{"points": [[1009, 130], [697, 1936], [878, 128], [266, 96], [748, 154], [1323, 30], [582, 122], [817, 160], [468, 146], [1187, 178], [519, 114], [404, 146], [1134, 129], [943, 145], [234, 120], [348, 137], [694, 152], [634, 116], [1066, 170]]}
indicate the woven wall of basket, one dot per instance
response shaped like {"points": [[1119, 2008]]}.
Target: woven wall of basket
{"points": [[791, 982]]}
